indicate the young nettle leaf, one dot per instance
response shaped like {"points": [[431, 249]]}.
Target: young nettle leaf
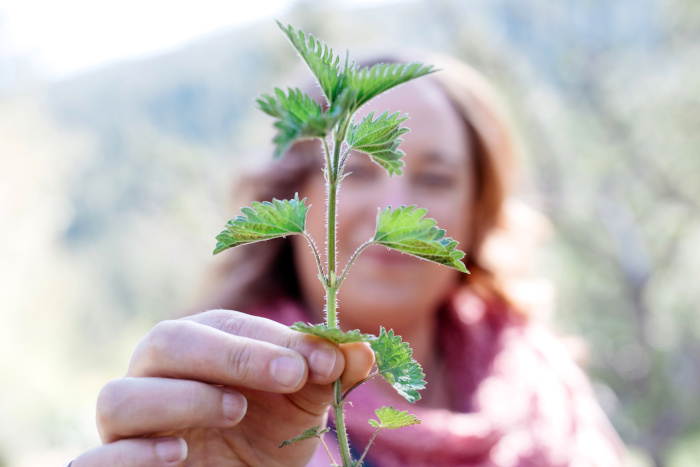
{"points": [[298, 117], [264, 221], [392, 419], [397, 366], [407, 230], [313, 432], [334, 335], [320, 58], [372, 81], [380, 139]]}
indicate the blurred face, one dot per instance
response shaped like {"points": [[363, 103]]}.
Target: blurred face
{"points": [[385, 287]]}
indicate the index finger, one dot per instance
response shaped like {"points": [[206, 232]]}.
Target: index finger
{"points": [[324, 359]]}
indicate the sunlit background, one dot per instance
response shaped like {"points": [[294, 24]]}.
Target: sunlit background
{"points": [[123, 126]]}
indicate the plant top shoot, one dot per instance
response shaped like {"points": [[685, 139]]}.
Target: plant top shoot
{"points": [[347, 87]]}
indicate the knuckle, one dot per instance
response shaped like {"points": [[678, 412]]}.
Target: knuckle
{"points": [[163, 335], [235, 324], [304, 343], [298, 340], [254, 327], [191, 399], [158, 342], [109, 401], [239, 360]]}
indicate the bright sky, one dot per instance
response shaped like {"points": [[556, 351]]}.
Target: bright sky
{"points": [[60, 38], [65, 37]]}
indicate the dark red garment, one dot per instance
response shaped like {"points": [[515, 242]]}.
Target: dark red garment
{"points": [[521, 400]]}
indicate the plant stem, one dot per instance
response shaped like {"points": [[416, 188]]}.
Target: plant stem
{"points": [[327, 154], [328, 451], [343, 444], [331, 286], [316, 255], [359, 383], [359, 462], [334, 169], [331, 315]]}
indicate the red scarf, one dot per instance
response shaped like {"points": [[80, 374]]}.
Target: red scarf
{"points": [[521, 400]]}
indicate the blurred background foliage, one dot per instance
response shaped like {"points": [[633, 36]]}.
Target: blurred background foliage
{"points": [[113, 183]]}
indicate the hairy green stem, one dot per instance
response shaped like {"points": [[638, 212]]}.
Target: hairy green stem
{"points": [[359, 383], [334, 171], [328, 451], [331, 314], [331, 285], [316, 255], [327, 154], [340, 431], [359, 461], [331, 257], [344, 156]]}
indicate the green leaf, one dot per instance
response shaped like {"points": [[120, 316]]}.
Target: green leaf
{"points": [[392, 419], [380, 139], [264, 221], [372, 81], [334, 335], [320, 58], [313, 432], [407, 230], [298, 117], [396, 365]]}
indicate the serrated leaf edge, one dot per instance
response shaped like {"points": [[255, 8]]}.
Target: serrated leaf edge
{"points": [[440, 249], [295, 204], [409, 393], [411, 419]]}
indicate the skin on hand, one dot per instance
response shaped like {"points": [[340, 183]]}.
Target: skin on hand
{"points": [[218, 388]]}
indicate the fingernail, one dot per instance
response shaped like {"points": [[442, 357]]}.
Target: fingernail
{"points": [[234, 406], [171, 450], [287, 371], [322, 362]]}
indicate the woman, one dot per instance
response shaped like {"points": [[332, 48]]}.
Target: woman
{"points": [[224, 388]]}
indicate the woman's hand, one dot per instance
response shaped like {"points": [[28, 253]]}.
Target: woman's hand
{"points": [[221, 388]]}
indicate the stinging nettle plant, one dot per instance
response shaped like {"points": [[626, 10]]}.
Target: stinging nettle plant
{"points": [[406, 229]]}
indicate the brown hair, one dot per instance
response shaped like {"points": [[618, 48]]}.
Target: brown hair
{"points": [[264, 271]]}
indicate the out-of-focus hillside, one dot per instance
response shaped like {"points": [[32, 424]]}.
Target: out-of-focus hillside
{"points": [[113, 184]]}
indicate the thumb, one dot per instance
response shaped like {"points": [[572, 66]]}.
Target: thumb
{"points": [[359, 358]]}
